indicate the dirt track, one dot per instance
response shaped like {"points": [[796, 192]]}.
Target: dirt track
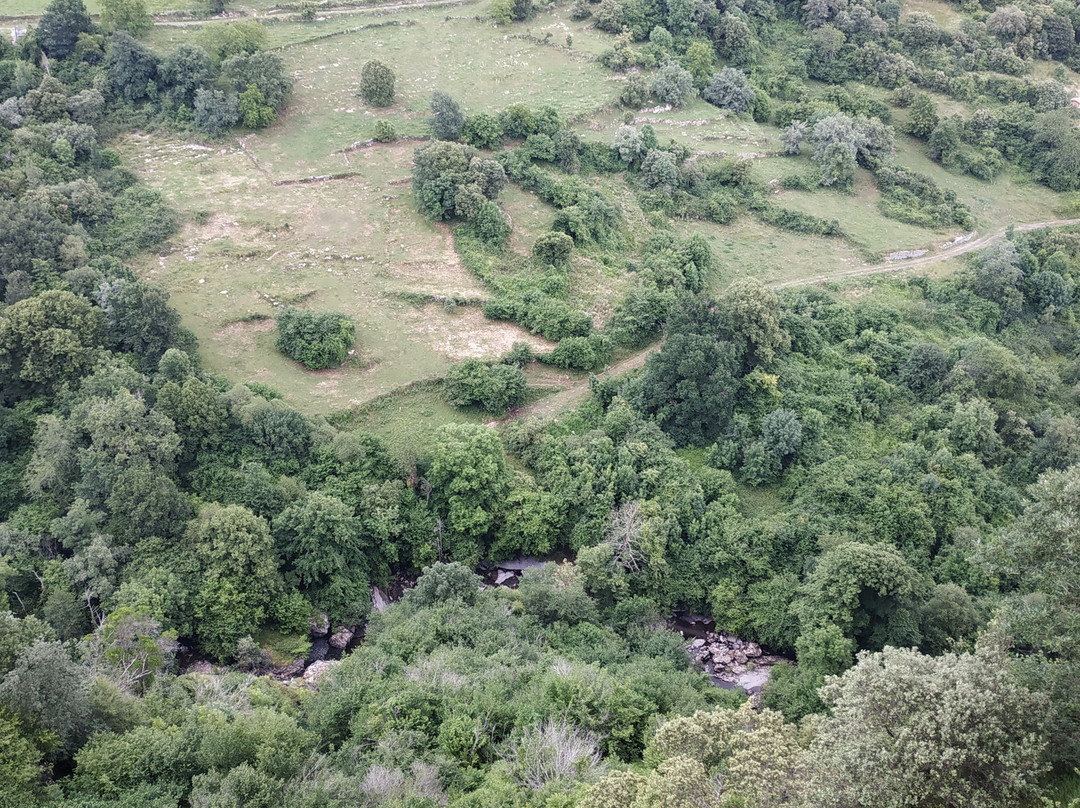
{"points": [[577, 391], [926, 260]]}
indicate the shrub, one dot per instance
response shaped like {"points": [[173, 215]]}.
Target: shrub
{"points": [[490, 225], [553, 249], [315, 340], [482, 131], [494, 388], [576, 352], [635, 92], [730, 89], [673, 84], [377, 84], [385, 132]]}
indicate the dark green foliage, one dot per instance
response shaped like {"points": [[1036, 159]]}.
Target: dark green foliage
{"points": [[377, 83], [264, 70], [326, 555], [315, 340], [689, 384], [494, 388], [184, 72], [141, 220], [131, 66], [47, 340], [447, 120], [60, 26], [468, 479], [450, 179], [280, 434], [489, 224]]}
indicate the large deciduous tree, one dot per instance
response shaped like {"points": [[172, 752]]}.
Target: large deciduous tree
{"points": [[60, 26], [48, 340], [468, 479], [912, 730]]}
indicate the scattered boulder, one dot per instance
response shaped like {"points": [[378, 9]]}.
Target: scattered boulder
{"points": [[505, 578], [320, 625], [318, 670], [342, 637], [319, 649], [731, 661], [290, 671]]}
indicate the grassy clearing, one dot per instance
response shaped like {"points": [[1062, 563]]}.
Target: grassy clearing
{"points": [[354, 245], [859, 216], [357, 245], [407, 419], [748, 248], [486, 68], [945, 15]]}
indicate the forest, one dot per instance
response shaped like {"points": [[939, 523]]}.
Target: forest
{"points": [[213, 594]]}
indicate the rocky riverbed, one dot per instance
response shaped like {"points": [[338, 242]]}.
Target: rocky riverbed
{"points": [[732, 662]]}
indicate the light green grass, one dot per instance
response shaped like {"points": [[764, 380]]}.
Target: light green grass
{"points": [[484, 67], [749, 249], [944, 14], [354, 246], [407, 419]]}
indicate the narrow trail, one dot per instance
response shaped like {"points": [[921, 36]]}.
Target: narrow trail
{"points": [[925, 260], [286, 15], [578, 390]]}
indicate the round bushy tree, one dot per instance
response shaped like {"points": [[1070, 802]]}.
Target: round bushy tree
{"points": [[730, 89], [377, 83], [316, 340], [673, 84]]}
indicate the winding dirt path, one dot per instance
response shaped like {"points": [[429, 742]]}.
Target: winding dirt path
{"points": [[926, 260], [578, 390]]}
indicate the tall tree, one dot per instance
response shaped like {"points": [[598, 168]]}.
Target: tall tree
{"points": [[61, 25], [377, 84], [468, 479], [446, 119]]}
